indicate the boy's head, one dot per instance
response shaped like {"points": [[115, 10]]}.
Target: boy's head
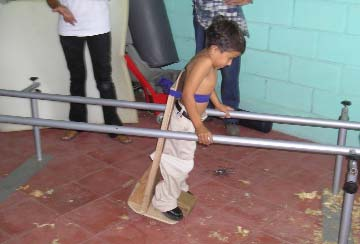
{"points": [[226, 35]]}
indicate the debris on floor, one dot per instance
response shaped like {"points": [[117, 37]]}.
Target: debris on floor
{"points": [[245, 182], [242, 231], [55, 241], [308, 195], [52, 226], [36, 193], [223, 171], [313, 212], [217, 235]]}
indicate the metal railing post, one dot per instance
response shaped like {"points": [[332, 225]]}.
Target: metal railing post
{"points": [[341, 142], [36, 129], [350, 188]]}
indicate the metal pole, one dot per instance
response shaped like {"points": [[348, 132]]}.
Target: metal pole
{"points": [[161, 107], [227, 140], [341, 142], [31, 87], [36, 129], [350, 188]]}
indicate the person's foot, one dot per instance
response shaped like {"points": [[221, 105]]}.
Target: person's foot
{"points": [[232, 129], [123, 139], [174, 214], [69, 135]]}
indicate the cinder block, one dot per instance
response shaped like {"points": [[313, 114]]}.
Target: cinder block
{"points": [[293, 41], [320, 15], [350, 79], [289, 95], [327, 104], [259, 36], [252, 86], [353, 19], [339, 48], [313, 73], [273, 12], [267, 64]]}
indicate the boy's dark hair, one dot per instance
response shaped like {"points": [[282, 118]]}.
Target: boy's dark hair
{"points": [[226, 35]]}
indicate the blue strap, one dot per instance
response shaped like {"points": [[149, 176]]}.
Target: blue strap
{"points": [[199, 98], [202, 98], [175, 94]]}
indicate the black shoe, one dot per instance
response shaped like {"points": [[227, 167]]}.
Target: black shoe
{"points": [[174, 214]]}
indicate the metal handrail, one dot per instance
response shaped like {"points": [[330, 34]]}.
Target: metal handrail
{"points": [[326, 123]]}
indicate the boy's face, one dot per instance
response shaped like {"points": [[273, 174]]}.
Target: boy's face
{"points": [[224, 58]]}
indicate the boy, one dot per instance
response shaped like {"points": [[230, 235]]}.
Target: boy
{"points": [[224, 42]]}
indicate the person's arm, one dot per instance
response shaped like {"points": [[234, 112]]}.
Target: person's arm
{"points": [[63, 10], [53, 3], [220, 106], [238, 2], [198, 73]]}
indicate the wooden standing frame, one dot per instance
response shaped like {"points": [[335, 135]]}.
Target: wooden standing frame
{"points": [[140, 199]]}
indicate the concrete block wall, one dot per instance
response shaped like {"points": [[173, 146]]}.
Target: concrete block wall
{"points": [[302, 59]]}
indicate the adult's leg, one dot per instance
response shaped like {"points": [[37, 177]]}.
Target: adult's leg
{"points": [[73, 48], [100, 52], [199, 34], [230, 94]]}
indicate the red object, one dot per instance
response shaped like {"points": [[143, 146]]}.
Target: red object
{"points": [[150, 94]]}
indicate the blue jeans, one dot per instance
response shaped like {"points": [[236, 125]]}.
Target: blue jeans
{"points": [[100, 53], [230, 94]]}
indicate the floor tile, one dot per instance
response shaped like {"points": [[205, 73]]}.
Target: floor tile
{"points": [[67, 197], [96, 216], [105, 181], [55, 231], [21, 217], [63, 169]]}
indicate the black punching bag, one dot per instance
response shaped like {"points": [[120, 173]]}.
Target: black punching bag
{"points": [[151, 32]]}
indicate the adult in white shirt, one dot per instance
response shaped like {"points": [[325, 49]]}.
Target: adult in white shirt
{"points": [[80, 22]]}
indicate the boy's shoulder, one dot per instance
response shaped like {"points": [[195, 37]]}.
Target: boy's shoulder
{"points": [[200, 61]]}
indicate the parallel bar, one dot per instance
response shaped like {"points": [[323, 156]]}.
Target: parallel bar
{"points": [[339, 162], [160, 107], [345, 223], [341, 142], [36, 129], [228, 140], [32, 87]]}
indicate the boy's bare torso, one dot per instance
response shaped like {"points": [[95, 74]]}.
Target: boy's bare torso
{"points": [[207, 84]]}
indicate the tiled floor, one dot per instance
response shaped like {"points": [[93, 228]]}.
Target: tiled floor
{"points": [[82, 192]]}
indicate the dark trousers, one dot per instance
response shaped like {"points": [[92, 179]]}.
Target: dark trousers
{"points": [[230, 94], [100, 53]]}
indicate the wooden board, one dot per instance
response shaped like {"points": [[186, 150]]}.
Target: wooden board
{"points": [[140, 198]]}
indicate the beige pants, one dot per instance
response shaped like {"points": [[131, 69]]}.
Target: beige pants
{"points": [[176, 162]]}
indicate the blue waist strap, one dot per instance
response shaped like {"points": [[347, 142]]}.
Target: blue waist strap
{"points": [[199, 98]]}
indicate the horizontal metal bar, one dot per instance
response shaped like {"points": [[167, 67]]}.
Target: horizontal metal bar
{"points": [[31, 87], [228, 140], [326, 123]]}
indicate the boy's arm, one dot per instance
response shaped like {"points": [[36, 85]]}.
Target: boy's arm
{"points": [[198, 73], [220, 106], [63, 10]]}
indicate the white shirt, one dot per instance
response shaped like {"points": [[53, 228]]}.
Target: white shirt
{"points": [[92, 18]]}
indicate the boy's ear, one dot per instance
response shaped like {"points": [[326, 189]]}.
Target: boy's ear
{"points": [[214, 48]]}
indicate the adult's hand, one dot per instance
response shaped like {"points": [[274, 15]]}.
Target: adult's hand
{"points": [[66, 13], [237, 2]]}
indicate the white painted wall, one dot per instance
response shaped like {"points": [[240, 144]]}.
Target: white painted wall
{"points": [[29, 46]]}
